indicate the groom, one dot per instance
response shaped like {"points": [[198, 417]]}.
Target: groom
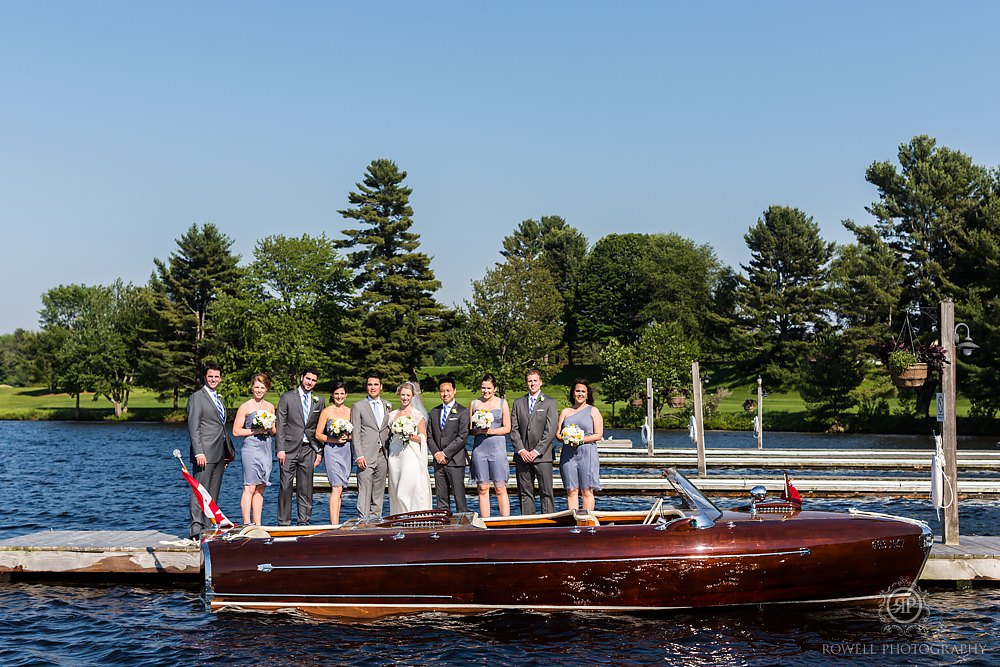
{"points": [[533, 424], [298, 450], [447, 431], [370, 418]]}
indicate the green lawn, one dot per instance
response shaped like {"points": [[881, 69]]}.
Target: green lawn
{"points": [[782, 410]]}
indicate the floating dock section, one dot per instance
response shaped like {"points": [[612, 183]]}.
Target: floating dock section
{"points": [[100, 555]]}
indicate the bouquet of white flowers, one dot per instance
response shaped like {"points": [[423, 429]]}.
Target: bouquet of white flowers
{"points": [[338, 427], [404, 427], [482, 419], [572, 435], [263, 419]]}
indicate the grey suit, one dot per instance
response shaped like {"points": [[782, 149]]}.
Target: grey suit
{"points": [[208, 434], [450, 477], [296, 436], [370, 440], [534, 432]]}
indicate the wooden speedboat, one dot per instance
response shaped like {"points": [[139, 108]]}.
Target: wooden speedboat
{"points": [[685, 555]]}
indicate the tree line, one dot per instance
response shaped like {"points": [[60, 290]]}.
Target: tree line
{"points": [[804, 313]]}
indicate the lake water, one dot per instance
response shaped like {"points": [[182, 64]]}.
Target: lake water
{"points": [[122, 476]]}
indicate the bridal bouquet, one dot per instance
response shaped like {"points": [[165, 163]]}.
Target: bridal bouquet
{"points": [[482, 419], [572, 435], [263, 419], [404, 427], [338, 427]]}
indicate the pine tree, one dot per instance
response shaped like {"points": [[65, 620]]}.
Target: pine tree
{"points": [[783, 297], [184, 288], [400, 321]]}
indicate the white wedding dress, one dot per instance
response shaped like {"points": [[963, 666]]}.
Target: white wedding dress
{"points": [[409, 482]]}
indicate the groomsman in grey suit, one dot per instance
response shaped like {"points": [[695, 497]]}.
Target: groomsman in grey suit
{"points": [[211, 448], [533, 424], [370, 418], [298, 450], [448, 432]]}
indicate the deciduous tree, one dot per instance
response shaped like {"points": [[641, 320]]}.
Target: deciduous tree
{"points": [[508, 324]]}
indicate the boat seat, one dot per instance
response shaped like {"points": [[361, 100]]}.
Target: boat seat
{"points": [[585, 518]]}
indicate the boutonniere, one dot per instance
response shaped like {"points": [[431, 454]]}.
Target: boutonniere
{"points": [[388, 405], [541, 397], [315, 400]]}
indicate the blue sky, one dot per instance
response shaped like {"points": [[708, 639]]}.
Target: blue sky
{"points": [[123, 123]]}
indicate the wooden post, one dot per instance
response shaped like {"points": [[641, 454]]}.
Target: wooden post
{"points": [[760, 413], [649, 413], [949, 428], [699, 418]]}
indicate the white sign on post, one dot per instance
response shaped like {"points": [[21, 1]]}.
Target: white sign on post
{"points": [[940, 407]]}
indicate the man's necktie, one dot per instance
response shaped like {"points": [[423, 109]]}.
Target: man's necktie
{"points": [[219, 407], [444, 416], [531, 405], [306, 398]]}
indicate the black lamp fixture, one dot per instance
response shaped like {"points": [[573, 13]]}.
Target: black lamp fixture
{"points": [[966, 345]]}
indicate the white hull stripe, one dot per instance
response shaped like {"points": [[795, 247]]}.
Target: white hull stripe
{"points": [[540, 607]]}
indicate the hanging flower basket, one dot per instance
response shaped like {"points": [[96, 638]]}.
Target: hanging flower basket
{"points": [[676, 401], [911, 376]]}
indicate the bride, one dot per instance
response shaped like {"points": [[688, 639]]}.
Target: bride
{"points": [[409, 483]]}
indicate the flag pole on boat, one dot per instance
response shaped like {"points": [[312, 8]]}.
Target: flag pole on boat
{"points": [[208, 506]]}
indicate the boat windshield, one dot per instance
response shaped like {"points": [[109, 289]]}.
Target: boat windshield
{"points": [[708, 513]]}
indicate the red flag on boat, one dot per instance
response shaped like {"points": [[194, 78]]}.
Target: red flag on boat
{"points": [[208, 505], [791, 493]]}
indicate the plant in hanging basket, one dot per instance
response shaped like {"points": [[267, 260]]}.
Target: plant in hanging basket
{"points": [[909, 368], [676, 398], [901, 359]]}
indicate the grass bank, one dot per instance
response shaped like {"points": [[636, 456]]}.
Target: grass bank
{"points": [[784, 411]]}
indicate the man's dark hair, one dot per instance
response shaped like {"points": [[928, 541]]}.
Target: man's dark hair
{"points": [[447, 379], [372, 374], [308, 369]]}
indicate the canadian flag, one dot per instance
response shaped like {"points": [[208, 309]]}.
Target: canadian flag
{"points": [[791, 493], [208, 505]]}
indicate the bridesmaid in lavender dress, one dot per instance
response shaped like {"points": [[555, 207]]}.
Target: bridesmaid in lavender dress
{"points": [[579, 466], [256, 453], [337, 448], [489, 450]]}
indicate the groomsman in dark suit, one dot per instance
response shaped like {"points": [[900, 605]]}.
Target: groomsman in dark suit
{"points": [[533, 422], [449, 431], [298, 450], [211, 448]]}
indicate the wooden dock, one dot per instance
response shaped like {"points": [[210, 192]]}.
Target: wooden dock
{"points": [[150, 556], [872, 459], [100, 555], [975, 558]]}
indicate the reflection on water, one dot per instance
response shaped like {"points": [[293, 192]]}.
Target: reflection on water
{"points": [[138, 626], [94, 476]]}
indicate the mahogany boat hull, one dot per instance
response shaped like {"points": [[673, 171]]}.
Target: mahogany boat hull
{"points": [[797, 557]]}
